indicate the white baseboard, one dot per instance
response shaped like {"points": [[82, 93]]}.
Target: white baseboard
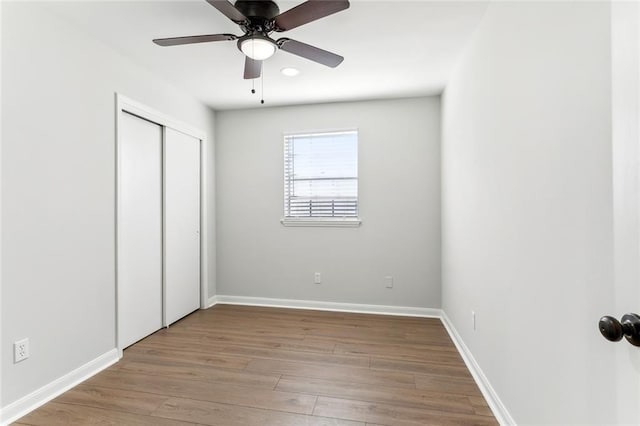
{"points": [[329, 306], [213, 300], [28, 403], [497, 407]]}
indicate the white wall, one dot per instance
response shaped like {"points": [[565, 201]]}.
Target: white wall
{"points": [[527, 208], [399, 194], [58, 179]]}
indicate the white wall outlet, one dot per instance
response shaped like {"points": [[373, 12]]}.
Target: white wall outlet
{"points": [[20, 350], [388, 282], [473, 320], [317, 278]]}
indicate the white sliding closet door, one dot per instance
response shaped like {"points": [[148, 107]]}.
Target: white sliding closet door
{"points": [[181, 224], [139, 229]]}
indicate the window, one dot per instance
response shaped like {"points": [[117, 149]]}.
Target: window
{"points": [[321, 179]]}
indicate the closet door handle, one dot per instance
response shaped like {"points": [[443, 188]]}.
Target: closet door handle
{"points": [[614, 330]]}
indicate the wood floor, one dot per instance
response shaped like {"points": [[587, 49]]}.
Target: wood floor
{"points": [[240, 365]]}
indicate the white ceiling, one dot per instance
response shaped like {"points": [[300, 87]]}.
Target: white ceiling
{"points": [[391, 48]]}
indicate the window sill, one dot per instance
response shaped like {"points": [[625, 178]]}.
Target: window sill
{"points": [[329, 222]]}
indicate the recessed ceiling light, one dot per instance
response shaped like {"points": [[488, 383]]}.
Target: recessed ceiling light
{"points": [[290, 72]]}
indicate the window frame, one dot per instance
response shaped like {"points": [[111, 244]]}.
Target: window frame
{"points": [[330, 221]]}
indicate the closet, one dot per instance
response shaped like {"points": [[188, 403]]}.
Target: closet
{"points": [[158, 226]]}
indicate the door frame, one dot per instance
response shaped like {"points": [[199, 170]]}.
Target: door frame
{"points": [[125, 104], [625, 125]]}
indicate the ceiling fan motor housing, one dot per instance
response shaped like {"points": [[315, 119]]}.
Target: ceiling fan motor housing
{"points": [[260, 14]]}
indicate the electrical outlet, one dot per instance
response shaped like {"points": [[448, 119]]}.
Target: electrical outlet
{"points": [[20, 350], [473, 320], [388, 282], [317, 278]]}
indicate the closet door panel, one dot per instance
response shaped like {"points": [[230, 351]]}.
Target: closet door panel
{"points": [[181, 224], [139, 229]]}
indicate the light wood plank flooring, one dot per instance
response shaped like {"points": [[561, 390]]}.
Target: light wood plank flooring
{"points": [[240, 365]]}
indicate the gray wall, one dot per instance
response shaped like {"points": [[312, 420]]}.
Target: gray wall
{"points": [[399, 193], [58, 179], [527, 208]]}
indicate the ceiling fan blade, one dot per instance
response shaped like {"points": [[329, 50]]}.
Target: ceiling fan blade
{"points": [[175, 41], [252, 68], [312, 53], [229, 10], [308, 11]]}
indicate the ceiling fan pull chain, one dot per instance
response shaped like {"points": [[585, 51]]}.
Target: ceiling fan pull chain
{"points": [[262, 84], [253, 85]]}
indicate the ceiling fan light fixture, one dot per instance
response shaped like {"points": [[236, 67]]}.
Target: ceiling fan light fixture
{"points": [[258, 48]]}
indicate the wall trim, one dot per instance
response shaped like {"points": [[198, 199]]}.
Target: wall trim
{"points": [[329, 306], [212, 301], [495, 403], [35, 399]]}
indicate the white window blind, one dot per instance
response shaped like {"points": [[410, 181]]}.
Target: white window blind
{"points": [[321, 175]]}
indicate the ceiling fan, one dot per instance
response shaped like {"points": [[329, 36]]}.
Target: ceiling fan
{"points": [[258, 19]]}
